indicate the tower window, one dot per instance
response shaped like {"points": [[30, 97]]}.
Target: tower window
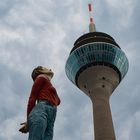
{"points": [[103, 86], [103, 78]]}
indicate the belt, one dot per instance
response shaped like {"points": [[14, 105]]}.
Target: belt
{"points": [[46, 102]]}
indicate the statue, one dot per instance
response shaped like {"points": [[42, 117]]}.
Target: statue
{"points": [[41, 115]]}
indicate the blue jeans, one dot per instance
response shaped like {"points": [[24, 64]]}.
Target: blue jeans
{"points": [[41, 121]]}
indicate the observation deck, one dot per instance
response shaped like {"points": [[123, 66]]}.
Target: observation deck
{"points": [[93, 49]]}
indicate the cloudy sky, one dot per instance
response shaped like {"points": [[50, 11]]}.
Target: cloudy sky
{"points": [[42, 32]]}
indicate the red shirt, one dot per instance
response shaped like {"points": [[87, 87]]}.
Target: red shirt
{"points": [[42, 89]]}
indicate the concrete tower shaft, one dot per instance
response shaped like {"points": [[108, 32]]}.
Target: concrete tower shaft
{"points": [[98, 82], [103, 124]]}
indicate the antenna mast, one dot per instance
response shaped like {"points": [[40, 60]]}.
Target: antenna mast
{"points": [[91, 24]]}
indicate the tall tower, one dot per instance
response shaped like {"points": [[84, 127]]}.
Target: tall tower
{"points": [[96, 65]]}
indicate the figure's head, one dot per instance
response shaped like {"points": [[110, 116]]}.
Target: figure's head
{"points": [[41, 70]]}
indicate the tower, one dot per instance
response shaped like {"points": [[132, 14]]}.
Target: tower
{"points": [[96, 65]]}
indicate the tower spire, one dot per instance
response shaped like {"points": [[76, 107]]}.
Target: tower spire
{"points": [[91, 23]]}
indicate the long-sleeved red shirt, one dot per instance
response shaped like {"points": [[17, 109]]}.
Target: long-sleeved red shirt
{"points": [[42, 89]]}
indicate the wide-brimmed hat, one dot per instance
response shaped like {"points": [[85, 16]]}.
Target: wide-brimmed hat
{"points": [[41, 70]]}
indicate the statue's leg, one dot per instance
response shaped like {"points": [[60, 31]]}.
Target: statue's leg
{"points": [[51, 111], [37, 122]]}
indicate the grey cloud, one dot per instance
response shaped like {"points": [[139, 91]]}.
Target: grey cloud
{"points": [[11, 82], [42, 33]]}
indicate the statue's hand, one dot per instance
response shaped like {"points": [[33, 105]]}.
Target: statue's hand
{"points": [[24, 128]]}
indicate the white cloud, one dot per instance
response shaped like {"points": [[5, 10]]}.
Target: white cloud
{"points": [[126, 130], [129, 128], [9, 129], [124, 10], [7, 35]]}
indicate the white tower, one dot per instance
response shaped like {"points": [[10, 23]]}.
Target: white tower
{"points": [[96, 65]]}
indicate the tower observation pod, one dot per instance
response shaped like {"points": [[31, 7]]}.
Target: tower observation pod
{"points": [[96, 65]]}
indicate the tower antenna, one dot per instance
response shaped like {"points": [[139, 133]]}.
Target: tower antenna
{"points": [[91, 24]]}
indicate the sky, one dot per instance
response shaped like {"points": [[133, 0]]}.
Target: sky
{"points": [[42, 32]]}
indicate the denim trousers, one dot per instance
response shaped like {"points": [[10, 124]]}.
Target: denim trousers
{"points": [[41, 121]]}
